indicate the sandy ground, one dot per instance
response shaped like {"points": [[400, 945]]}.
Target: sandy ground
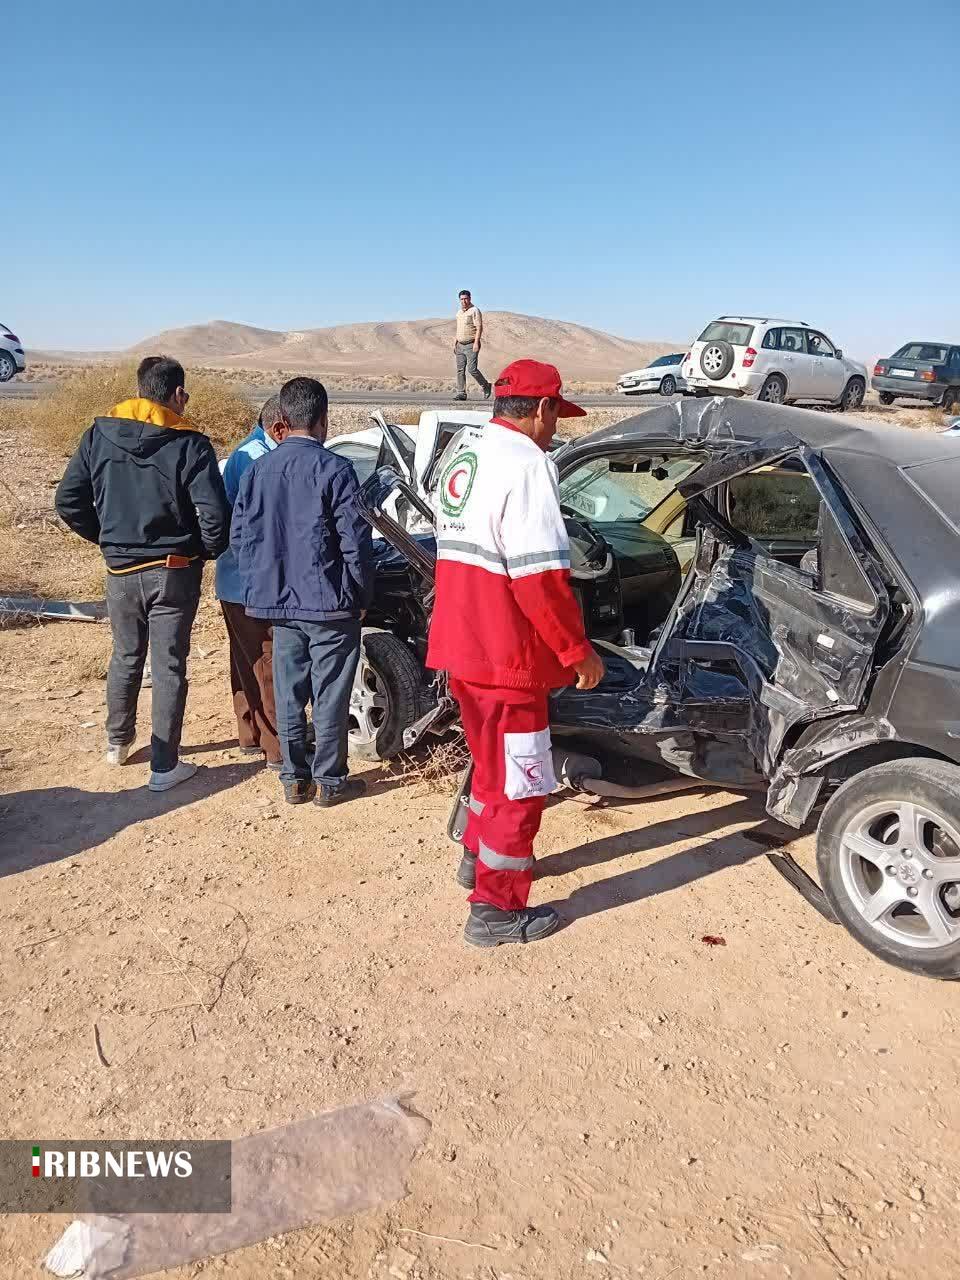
{"points": [[620, 1099]]}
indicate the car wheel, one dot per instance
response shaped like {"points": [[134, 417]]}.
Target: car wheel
{"points": [[951, 399], [8, 366], [853, 394], [716, 360], [774, 390], [668, 385], [387, 696], [886, 397], [888, 852]]}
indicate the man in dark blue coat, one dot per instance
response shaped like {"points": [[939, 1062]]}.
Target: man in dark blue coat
{"points": [[304, 555]]}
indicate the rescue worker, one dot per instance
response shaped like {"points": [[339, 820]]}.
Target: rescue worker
{"points": [[507, 627]]}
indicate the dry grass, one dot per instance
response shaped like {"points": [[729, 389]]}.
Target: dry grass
{"points": [[90, 660], [38, 556], [58, 419], [437, 771]]}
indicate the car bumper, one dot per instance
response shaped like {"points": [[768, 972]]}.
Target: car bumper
{"points": [[738, 384], [909, 387]]}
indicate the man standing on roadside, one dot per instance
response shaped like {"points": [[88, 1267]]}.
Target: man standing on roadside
{"points": [[251, 639], [467, 345], [144, 484], [507, 627], [305, 553]]}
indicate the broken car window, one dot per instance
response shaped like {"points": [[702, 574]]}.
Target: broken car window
{"points": [[608, 489], [775, 504]]}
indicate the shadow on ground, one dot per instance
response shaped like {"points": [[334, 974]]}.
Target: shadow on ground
{"points": [[37, 827], [658, 877]]}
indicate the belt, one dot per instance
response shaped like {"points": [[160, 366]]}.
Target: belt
{"points": [[168, 562]]}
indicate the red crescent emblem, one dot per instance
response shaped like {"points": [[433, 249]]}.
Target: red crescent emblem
{"points": [[453, 484]]}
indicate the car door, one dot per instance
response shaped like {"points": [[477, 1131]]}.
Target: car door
{"points": [[826, 370], [791, 360], [800, 644]]}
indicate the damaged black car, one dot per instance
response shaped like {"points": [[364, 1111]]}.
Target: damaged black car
{"points": [[776, 596]]}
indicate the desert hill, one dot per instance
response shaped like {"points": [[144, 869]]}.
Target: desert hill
{"points": [[409, 347]]}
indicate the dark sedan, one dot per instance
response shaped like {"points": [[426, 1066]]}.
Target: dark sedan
{"points": [[927, 371]]}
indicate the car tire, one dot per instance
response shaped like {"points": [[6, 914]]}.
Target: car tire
{"points": [[951, 399], [905, 910], [886, 397], [8, 366], [387, 696], [716, 360], [668, 385], [853, 394], [774, 389]]}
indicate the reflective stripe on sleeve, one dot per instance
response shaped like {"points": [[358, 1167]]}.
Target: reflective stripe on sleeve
{"points": [[504, 861], [476, 806]]}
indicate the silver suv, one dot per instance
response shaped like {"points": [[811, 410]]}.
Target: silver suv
{"points": [[780, 361]]}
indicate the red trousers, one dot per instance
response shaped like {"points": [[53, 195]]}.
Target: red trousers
{"points": [[509, 739]]}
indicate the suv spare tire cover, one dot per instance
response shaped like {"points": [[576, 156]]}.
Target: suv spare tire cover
{"points": [[716, 360]]}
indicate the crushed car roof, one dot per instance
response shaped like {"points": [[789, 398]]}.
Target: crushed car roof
{"points": [[907, 482]]}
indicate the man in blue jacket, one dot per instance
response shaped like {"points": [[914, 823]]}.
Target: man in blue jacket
{"points": [[304, 553], [251, 639]]}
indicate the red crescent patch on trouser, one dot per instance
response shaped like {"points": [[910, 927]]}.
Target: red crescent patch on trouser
{"points": [[499, 828]]}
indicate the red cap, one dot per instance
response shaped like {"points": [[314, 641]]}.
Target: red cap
{"points": [[536, 380]]}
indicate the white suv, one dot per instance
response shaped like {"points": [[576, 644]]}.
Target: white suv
{"points": [[780, 361]]}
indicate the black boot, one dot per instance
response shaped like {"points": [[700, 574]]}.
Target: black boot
{"points": [[299, 792], [490, 927], [467, 870], [349, 789]]}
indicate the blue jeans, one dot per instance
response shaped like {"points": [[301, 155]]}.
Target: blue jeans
{"points": [[318, 661]]}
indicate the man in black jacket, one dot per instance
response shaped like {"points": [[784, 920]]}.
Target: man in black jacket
{"points": [[144, 484]]}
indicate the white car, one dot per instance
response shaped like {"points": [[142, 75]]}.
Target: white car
{"points": [[663, 375], [12, 359], [780, 361]]}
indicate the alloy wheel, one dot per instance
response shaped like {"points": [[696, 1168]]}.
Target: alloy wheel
{"points": [[369, 705], [900, 866]]}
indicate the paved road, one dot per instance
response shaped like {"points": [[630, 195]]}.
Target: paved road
{"points": [[16, 390]]}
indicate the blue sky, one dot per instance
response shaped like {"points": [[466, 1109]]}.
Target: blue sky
{"points": [[637, 168]]}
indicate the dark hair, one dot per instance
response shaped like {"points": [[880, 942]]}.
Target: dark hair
{"points": [[158, 378], [464, 293], [270, 413], [303, 401], [516, 406]]}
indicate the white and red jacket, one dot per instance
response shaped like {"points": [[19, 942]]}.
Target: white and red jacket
{"points": [[505, 613]]}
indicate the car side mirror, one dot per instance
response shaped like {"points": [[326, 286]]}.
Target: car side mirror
{"points": [[839, 353]]}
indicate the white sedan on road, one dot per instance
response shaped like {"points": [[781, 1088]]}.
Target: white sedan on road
{"points": [[662, 375]]}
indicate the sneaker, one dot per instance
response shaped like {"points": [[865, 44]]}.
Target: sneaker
{"points": [[117, 752], [486, 394], [275, 766], [327, 797], [251, 751], [173, 777], [467, 870], [460, 397], [489, 927], [299, 792]]}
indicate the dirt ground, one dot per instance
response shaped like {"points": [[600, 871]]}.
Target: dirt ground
{"points": [[621, 1099]]}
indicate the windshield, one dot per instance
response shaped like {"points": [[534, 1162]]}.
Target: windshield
{"points": [[921, 351], [608, 489], [728, 331]]}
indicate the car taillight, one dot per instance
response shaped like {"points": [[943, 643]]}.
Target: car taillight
{"points": [[928, 376], [879, 368], [748, 357]]}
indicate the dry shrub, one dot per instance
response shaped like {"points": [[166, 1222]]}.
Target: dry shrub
{"points": [[89, 656], [59, 418], [437, 771]]}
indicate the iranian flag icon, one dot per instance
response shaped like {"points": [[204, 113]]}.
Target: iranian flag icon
{"points": [[36, 1162]]}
